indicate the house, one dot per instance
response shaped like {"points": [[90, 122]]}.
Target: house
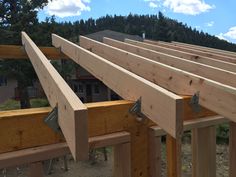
{"points": [[85, 85], [98, 36], [7, 88]]}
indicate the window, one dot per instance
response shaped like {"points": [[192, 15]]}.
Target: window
{"points": [[75, 88], [78, 88], [96, 89], [81, 88], [3, 81]]}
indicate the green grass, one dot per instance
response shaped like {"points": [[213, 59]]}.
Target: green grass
{"points": [[10, 105], [39, 102], [13, 104]]}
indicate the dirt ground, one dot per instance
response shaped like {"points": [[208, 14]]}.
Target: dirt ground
{"points": [[102, 168]]}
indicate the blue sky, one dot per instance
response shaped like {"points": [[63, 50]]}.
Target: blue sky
{"points": [[215, 17]]}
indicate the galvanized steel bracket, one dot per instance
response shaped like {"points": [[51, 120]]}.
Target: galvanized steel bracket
{"points": [[194, 102], [136, 109], [52, 120]]}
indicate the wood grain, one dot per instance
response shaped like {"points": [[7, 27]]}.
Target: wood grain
{"points": [[206, 49], [175, 80], [168, 113], [204, 152], [18, 52], [199, 66], [202, 54], [72, 113]]}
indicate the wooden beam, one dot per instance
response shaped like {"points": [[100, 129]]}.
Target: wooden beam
{"points": [[122, 160], [18, 52], [154, 153], [175, 80], [156, 132], [206, 49], [232, 150], [112, 139], [25, 128], [194, 124], [177, 53], [72, 113], [104, 118], [41, 153], [167, 112], [204, 152], [203, 70], [193, 51], [174, 161], [31, 155]]}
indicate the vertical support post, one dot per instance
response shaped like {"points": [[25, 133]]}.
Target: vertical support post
{"points": [[204, 152], [154, 154], [36, 169], [122, 160], [232, 150], [174, 154], [108, 94]]}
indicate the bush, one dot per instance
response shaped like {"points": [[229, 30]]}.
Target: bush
{"points": [[39, 102], [222, 133], [13, 104], [9, 105]]}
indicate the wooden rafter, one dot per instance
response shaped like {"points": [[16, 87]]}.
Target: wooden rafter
{"points": [[167, 113], [203, 70], [194, 51], [182, 54], [206, 49], [112, 123], [18, 52], [72, 113], [213, 95]]}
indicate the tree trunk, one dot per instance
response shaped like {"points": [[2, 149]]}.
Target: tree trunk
{"points": [[24, 98]]}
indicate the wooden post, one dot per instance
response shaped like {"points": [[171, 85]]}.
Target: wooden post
{"points": [[232, 150], [204, 152], [122, 160], [36, 169], [173, 150], [108, 94], [154, 154]]}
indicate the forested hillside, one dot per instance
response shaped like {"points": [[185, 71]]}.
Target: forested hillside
{"points": [[157, 27]]}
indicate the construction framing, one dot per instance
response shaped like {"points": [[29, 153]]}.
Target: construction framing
{"points": [[180, 87]]}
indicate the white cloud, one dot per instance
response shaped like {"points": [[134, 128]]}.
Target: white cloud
{"points": [[231, 33], [153, 5], [210, 24], [66, 8], [221, 36], [188, 7], [228, 36]]}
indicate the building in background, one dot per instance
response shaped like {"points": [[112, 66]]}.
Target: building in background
{"points": [[98, 36], [85, 85], [7, 88]]}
